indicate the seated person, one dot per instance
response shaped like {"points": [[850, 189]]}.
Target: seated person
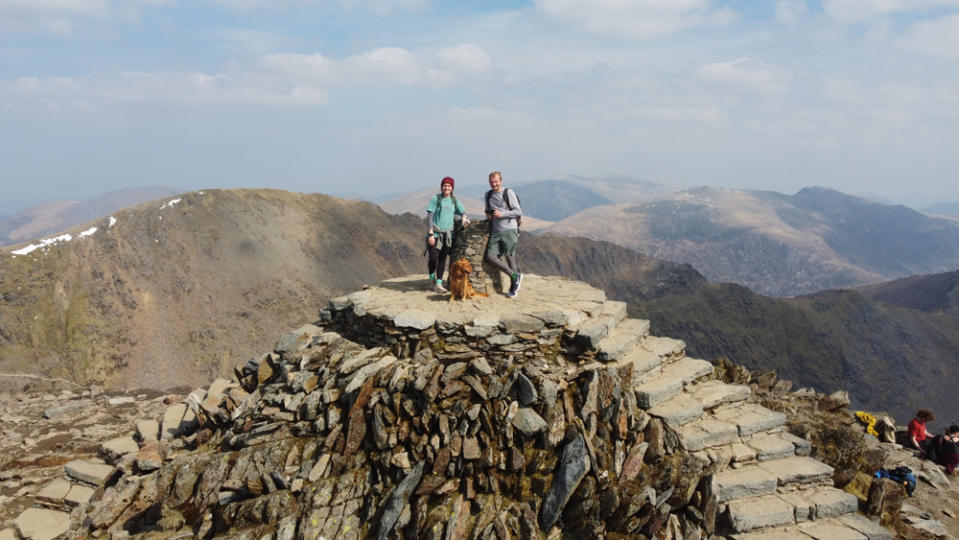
{"points": [[944, 449], [919, 436]]}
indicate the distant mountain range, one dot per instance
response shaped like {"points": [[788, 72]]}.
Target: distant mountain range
{"points": [[777, 244], [943, 209], [177, 291], [56, 216]]}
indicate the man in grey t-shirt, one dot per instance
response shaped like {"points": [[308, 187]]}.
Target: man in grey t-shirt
{"points": [[504, 212]]}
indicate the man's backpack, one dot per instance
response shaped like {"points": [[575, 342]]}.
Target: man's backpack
{"points": [[901, 475], [489, 193]]}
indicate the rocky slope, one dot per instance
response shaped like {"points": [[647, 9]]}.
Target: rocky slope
{"points": [[930, 293], [778, 244]]}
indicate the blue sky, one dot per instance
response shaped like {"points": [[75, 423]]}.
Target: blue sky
{"points": [[374, 96]]}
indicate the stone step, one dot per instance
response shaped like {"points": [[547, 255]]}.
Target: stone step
{"points": [[770, 446], [775, 510], [844, 527], [749, 481], [665, 347], [705, 432], [669, 381], [595, 330], [61, 493], [678, 410], [759, 512], [714, 392], [622, 339], [646, 364], [870, 529], [820, 503], [798, 469], [750, 418]]}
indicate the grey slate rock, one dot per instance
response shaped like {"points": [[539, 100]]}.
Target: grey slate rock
{"points": [[399, 499], [525, 391], [572, 468], [528, 422]]}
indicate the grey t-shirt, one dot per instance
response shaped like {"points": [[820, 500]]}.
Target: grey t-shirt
{"points": [[508, 220]]}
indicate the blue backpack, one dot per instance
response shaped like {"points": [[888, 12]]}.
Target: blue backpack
{"points": [[901, 475]]}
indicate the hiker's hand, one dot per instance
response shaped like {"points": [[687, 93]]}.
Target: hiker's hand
{"points": [[497, 213], [466, 222], [432, 241]]}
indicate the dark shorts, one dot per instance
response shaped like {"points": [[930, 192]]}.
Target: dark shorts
{"points": [[502, 242]]}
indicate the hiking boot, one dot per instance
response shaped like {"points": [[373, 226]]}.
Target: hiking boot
{"points": [[439, 288], [513, 287], [519, 281]]}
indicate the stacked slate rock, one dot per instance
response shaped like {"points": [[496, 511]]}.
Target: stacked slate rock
{"points": [[400, 414]]}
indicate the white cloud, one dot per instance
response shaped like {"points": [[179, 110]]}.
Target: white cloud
{"points": [[637, 18], [290, 79], [747, 72], [465, 59], [379, 7], [683, 114], [67, 17], [856, 11], [936, 36], [790, 12]]}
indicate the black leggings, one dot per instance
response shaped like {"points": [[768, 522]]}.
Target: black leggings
{"points": [[437, 260]]}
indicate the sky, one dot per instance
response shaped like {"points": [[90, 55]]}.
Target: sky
{"points": [[390, 96]]}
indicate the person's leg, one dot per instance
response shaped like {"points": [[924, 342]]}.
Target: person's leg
{"points": [[493, 250], [441, 263], [431, 265]]}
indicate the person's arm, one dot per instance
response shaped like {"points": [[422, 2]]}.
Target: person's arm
{"points": [[429, 221], [517, 211]]}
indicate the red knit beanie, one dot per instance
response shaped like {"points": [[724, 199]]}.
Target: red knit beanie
{"points": [[448, 180]]}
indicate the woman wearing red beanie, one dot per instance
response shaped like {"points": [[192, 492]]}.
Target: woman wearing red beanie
{"points": [[440, 213]]}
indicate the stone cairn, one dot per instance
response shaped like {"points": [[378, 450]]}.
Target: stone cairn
{"points": [[402, 415]]}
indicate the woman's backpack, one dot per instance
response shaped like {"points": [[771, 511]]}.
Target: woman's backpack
{"points": [[901, 475]]}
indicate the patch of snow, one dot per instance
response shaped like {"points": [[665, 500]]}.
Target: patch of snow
{"points": [[46, 242], [113, 221], [170, 203], [88, 232]]}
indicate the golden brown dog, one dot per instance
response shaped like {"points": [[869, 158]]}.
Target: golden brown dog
{"points": [[460, 288]]}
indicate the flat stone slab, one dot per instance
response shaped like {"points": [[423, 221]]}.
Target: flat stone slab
{"points": [[797, 469], [867, 527], [750, 481], [688, 369], [172, 418], [79, 495], [595, 330], [88, 471], [805, 510], [147, 429], [411, 302], [749, 417], [771, 446], [643, 362], [55, 491], [622, 339], [713, 393], [116, 448], [678, 410], [665, 347], [8, 534], [414, 318], [803, 447], [830, 502], [706, 432], [772, 534], [830, 530], [657, 390], [42, 523], [758, 512]]}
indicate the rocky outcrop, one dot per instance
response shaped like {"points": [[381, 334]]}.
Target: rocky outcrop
{"points": [[402, 414]]}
